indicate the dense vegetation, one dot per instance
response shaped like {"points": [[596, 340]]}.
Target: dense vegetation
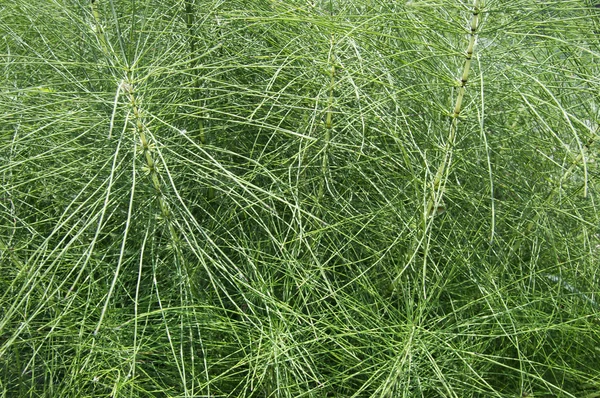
{"points": [[286, 198]]}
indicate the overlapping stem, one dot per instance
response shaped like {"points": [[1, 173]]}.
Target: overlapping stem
{"points": [[434, 202], [98, 30], [437, 186], [147, 149], [190, 21], [553, 193], [328, 122]]}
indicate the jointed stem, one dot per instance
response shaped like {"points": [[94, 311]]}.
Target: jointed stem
{"points": [[190, 21], [437, 190], [328, 123], [435, 200]]}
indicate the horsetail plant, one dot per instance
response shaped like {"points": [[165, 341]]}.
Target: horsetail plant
{"points": [[147, 149], [190, 20], [324, 266], [439, 180], [434, 204], [328, 126]]}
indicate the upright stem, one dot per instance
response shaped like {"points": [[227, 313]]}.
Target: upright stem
{"points": [[318, 212], [328, 123], [98, 30], [146, 149], [190, 20], [437, 191], [434, 202]]}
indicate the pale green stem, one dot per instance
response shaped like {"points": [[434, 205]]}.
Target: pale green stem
{"points": [[328, 124], [435, 201]]}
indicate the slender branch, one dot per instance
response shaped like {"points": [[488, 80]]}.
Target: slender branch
{"points": [[437, 189], [328, 122], [190, 20], [434, 204]]}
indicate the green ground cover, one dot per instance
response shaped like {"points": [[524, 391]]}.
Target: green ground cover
{"points": [[269, 198]]}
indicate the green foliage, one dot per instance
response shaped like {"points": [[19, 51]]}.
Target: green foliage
{"points": [[275, 198]]}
